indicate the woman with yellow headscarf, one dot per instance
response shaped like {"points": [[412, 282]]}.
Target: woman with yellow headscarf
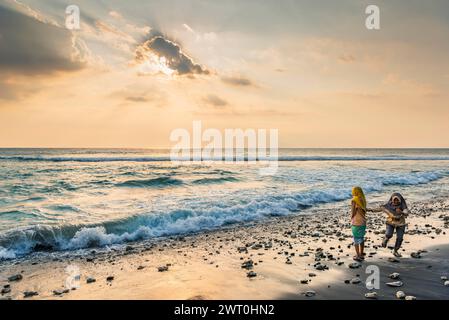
{"points": [[358, 221]]}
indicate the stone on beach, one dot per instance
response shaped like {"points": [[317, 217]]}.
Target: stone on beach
{"points": [[354, 265], [400, 295], [90, 280], [248, 265], [371, 295], [356, 280], [251, 274], [59, 292], [394, 275], [162, 268], [16, 277], [110, 278], [446, 283], [395, 284], [321, 267], [310, 293], [410, 298], [6, 290], [29, 294]]}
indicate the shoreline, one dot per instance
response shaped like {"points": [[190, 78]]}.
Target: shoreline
{"points": [[284, 251]]}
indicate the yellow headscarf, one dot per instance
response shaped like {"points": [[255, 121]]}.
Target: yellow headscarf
{"points": [[359, 197]]}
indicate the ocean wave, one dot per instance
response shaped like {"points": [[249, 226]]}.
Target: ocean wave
{"points": [[159, 182], [19, 242], [215, 180], [140, 227], [414, 178], [268, 158]]}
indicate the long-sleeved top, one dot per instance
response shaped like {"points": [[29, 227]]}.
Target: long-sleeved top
{"points": [[358, 215], [396, 219]]}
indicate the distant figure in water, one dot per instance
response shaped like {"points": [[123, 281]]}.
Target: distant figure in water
{"points": [[397, 211], [358, 222]]}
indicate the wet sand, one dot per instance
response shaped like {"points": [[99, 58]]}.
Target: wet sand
{"points": [[296, 257]]}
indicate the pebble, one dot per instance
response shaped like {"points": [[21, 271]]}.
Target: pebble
{"points": [[400, 295], [443, 278], [90, 280], [354, 265], [304, 281], [248, 265], [394, 275], [162, 268], [410, 298], [29, 294], [394, 260], [110, 278], [395, 284], [251, 274], [371, 295], [446, 283], [310, 293], [321, 267], [6, 290], [16, 277], [356, 280], [60, 292]]}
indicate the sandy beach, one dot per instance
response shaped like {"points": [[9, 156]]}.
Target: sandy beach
{"points": [[296, 257]]}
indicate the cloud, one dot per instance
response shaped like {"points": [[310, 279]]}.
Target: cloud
{"points": [[32, 47], [133, 95], [215, 101], [160, 50], [115, 14], [346, 58], [237, 81]]}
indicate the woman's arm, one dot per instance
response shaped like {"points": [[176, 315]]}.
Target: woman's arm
{"points": [[389, 213], [353, 209], [377, 209]]}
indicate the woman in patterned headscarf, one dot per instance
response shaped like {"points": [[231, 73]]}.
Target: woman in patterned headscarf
{"points": [[396, 210]]}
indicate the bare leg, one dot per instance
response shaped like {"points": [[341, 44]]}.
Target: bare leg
{"points": [[357, 250]]}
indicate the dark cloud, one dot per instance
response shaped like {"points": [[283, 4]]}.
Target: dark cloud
{"points": [[346, 58], [132, 95], [137, 99], [215, 101], [31, 47], [237, 81], [176, 59]]}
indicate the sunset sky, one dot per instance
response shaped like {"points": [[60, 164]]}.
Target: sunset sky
{"points": [[136, 70]]}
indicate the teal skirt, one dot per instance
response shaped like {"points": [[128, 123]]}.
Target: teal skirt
{"points": [[358, 233]]}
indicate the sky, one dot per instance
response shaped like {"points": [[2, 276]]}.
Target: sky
{"points": [[137, 70]]}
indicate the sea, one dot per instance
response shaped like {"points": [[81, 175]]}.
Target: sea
{"points": [[73, 199]]}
